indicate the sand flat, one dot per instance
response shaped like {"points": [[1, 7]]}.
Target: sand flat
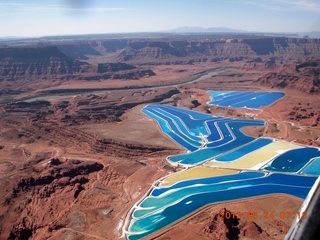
{"points": [[194, 173], [256, 159]]}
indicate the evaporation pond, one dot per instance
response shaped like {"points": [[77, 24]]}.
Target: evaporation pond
{"points": [[241, 99]]}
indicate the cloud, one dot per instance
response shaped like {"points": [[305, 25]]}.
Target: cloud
{"points": [[25, 8], [287, 5]]}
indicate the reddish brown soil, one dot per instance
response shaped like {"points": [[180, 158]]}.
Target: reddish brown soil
{"points": [[110, 153], [256, 218]]}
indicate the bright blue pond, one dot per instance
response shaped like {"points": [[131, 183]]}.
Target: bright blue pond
{"points": [[313, 167], [222, 134], [152, 204], [166, 128], [214, 134], [293, 160], [216, 148], [194, 120], [211, 180], [240, 152], [168, 208], [238, 99], [177, 127], [206, 137], [181, 125]]}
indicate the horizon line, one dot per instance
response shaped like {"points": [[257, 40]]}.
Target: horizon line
{"points": [[172, 31]]}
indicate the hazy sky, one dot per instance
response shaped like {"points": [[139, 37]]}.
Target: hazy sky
{"points": [[64, 17]]}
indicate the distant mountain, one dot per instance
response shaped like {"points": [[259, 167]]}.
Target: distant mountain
{"points": [[314, 34], [205, 30], [9, 38]]}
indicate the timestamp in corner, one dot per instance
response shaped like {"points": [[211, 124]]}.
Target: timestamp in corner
{"points": [[263, 215]]}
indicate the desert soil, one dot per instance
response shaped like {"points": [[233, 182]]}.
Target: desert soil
{"points": [[124, 152]]}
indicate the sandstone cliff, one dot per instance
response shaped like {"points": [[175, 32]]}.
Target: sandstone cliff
{"points": [[303, 77], [212, 49], [35, 62]]}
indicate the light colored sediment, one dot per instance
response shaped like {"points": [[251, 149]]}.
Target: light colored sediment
{"points": [[256, 159], [194, 173]]}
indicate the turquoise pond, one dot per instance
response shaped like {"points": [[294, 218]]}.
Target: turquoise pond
{"points": [[240, 99], [165, 206], [313, 167]]}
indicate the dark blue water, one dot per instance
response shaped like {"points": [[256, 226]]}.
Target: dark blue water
{"points": [[178, 128], [240, 152], [224, 145], [214, 134], [195, 121], [173, 135], [235, 126], [181, 124], [224, 134], [239, 99], [192, 114], [293, 160]]}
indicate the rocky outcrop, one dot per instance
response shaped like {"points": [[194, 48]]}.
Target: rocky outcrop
{"points": [[209, 48], [37, 62], [27, 68], [81, 49], [220, 49], [31, 194], [134, 74], [55, 171], [217, 50], [307, 113], [57, 123], [89, 108], [117, 70], [251, 230], [225, 225], [114, 67], [303, 77]]}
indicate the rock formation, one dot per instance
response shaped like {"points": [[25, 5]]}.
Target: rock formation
{"points": [[303, 77], [212, 48], [73, 165], [35, 62], [27, 198]]}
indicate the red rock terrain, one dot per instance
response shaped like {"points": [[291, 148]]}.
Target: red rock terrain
{"points": [[125, 148], [33, 68], [247, 219], [29, 195], [303, 77], [73, 160]]}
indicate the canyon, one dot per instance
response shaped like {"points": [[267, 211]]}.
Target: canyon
{"points": [[77, 152]]}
